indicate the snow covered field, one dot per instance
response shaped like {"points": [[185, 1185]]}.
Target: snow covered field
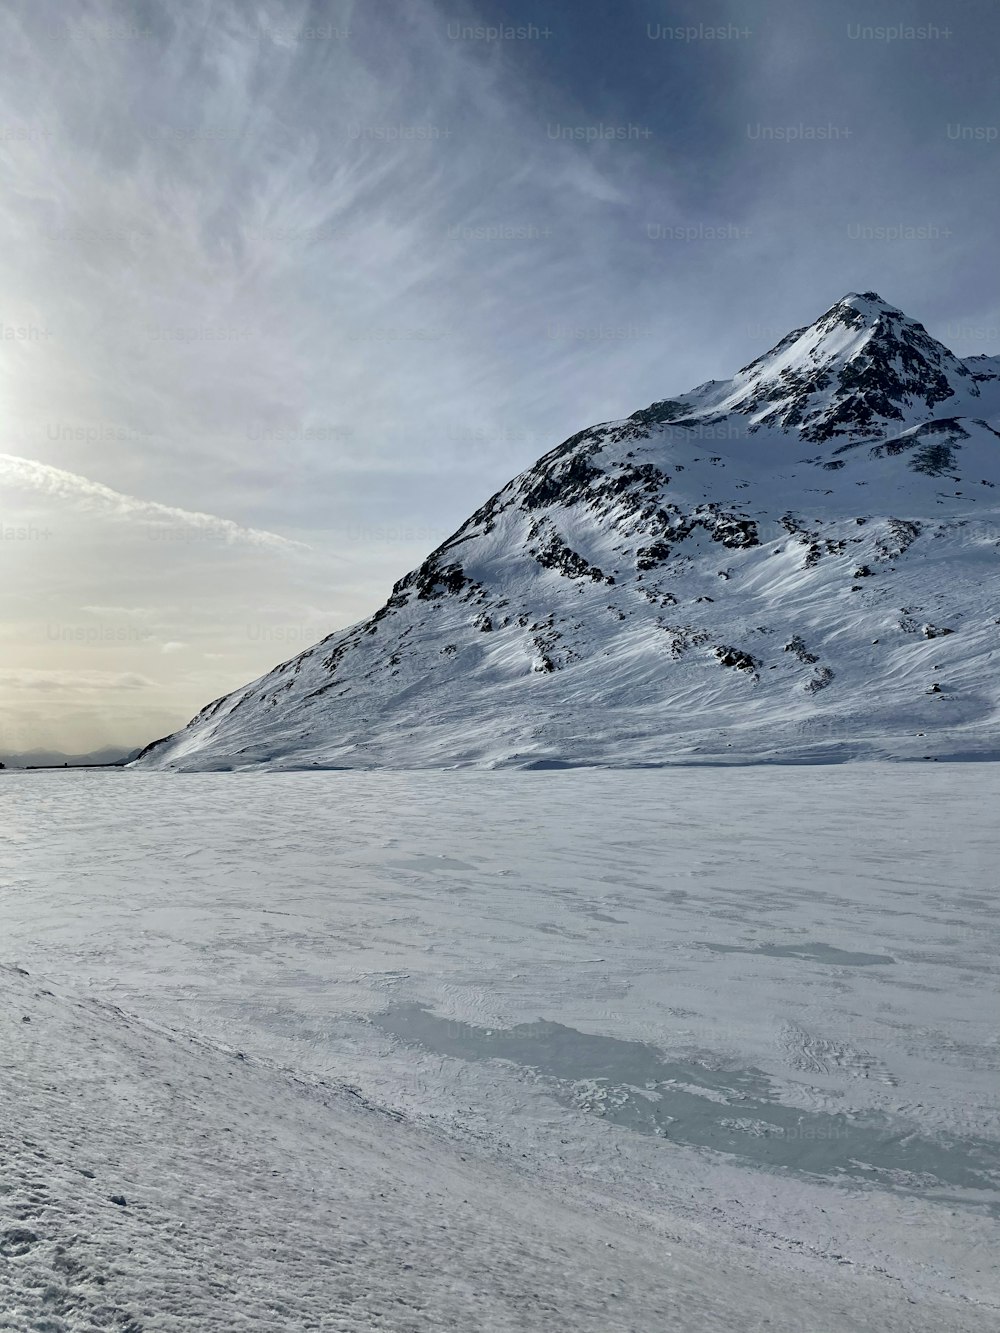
{"points": [[680, 1049]]}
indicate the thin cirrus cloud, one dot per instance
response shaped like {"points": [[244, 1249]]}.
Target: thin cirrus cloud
{"points": [[337, 271], [79, 493]]}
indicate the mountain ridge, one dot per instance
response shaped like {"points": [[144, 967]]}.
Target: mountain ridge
{"points": [[706, 579]]}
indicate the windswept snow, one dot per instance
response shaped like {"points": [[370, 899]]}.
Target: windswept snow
{"points": [[686, 1049]]}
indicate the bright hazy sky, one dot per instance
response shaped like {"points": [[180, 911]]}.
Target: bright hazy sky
{"points": [[289, 289]]}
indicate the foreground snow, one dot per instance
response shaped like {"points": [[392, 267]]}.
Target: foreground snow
{"points": [[682, 1050]]}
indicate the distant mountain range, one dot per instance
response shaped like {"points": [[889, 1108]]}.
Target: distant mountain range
{"points": [[798, 563], [109, 754]]}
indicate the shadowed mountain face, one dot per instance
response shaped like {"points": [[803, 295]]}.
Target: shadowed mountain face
{"points": [[797, 563]]}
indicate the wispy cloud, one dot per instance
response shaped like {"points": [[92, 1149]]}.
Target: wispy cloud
{"points": [[82, 493]]}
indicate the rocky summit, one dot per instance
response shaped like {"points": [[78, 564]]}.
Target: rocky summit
{"points": [[800, 563]]}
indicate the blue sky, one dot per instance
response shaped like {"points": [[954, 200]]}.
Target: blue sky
{"points": [[289, 289]]}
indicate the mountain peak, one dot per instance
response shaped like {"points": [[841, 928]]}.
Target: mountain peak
{"points": [[866, 310], [866, 301], [861, 367]]}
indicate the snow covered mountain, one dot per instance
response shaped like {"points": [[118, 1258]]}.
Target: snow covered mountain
{"points": [[801, 562]]}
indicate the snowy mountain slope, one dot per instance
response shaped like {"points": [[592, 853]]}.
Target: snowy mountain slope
{"points": [[799, 562]]}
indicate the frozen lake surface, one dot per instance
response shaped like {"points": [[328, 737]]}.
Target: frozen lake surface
{"points": [[677, 1048]]}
